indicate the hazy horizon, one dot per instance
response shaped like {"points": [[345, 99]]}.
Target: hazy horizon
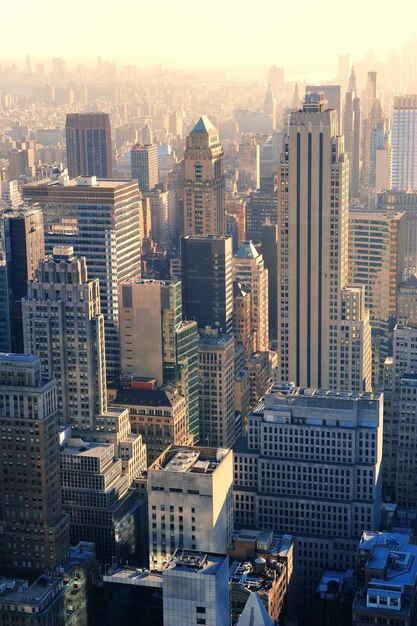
{"points": [[303, 37]]}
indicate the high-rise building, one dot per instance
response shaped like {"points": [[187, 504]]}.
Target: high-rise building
{"points": [[404, 141], [64, 326], [204, 194], [100, 220], [216, 376], [313, 240], [190, 502], [89, 146], [270, 105], [352, 133], [407, 301], [399, 416], [156, 343], [398, 202], [33, 529], [333, 96], [311, 461], [207, 283], [144, 165], [249, 269], [237, 208], [377, 241], [249, 165], [270, 253], [243, 330], [22, 160], [262, 208], [23, 247]]}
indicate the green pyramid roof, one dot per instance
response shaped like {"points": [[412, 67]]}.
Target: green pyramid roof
{"points": [[247, 251], [203, 125]]}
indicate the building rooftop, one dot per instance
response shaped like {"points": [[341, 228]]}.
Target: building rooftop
{"points": [[195, 562], [254, 613], [247, 251], [83, 448], [215, 340], [96, 183], [203, 126], [17, 591], [147, 397], [393, 553], [291, 390], [190, 459], [410, 283], [254, 575]]}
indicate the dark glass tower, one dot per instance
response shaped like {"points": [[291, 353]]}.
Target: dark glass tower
{"points": [[207, 284]]}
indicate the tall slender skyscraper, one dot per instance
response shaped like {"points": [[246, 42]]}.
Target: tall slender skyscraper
{"points": [[204, 197], [63, 325], [313, 239], [100, 220], [33, 529], [144, 164], [352, 132], [404, 143], [89, 148], [207, 284]]}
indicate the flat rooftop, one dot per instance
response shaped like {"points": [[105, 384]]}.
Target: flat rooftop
{"points": [[220, 340], [190, 459], [145, 397], [80, 447], [392, 553], [17, 591], [103, 183], [291, 390]]}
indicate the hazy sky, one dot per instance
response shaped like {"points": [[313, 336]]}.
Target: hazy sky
{"points": [[297, 34]]}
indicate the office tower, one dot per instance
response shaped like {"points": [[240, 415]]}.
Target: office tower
{"points": [[97, 495], [343, 69], [144, 165], [333, 96], [355, 357], [190, 502], [64, 326], [248, 165], [33, 528], [22, 160], [237, 209], [352, 133], [10, 193], [243, 330], [270, 106], [21, 231], [44, 598], [404, 141], [313, 240], [89, 146], [377, 243], [370, 93], [100, 219], [262, 208], [5, 317], [207, 284], [249, 269], [399, 418], [145, 407], [387, 578], [204, 193], [407, 301], [196, 589], [156, 343], [380, 160], [159, 206], [270, 253], [216, 375], [403, 201], [311, 462]]}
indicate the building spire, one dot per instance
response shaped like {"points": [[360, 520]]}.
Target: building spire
{"points": [[352, 81]]}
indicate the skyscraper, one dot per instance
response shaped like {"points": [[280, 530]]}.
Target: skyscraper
{"points": [[249, 269], [89, 147], [207, 284], [352, 133], [249, 165], [23, 242], [144, 164], [404, 142], [270, 253], [156, 343], [333, 96], [216, 375], [63, 325], [33, 529], [204, 197], [100, 220], [312, 462], [313, 240]]}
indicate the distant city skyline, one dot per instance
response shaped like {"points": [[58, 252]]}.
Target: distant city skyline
{"points": [[191, 34]]}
